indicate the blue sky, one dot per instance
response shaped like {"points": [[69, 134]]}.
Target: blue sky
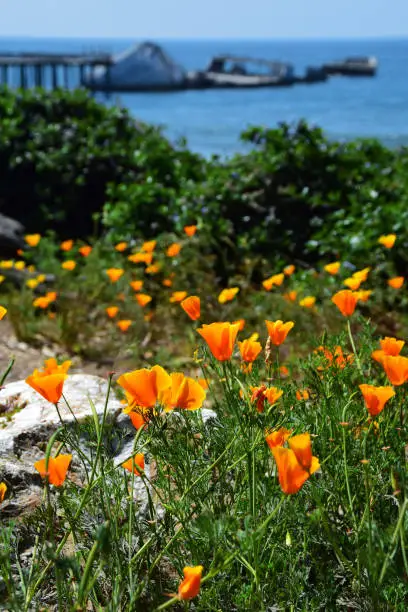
{"points": [[204, 19]]}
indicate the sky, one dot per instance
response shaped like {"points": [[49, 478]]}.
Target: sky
{"points": [[188, 19]]}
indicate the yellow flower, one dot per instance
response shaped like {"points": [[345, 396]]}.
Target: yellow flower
{"points": [[3, 312], [32, 239], [69, 265], [227, 295], [32, 283], [387, 240], [308, 301], [19, 265], [333, 268]]}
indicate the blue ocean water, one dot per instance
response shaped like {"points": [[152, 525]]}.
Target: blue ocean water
{"points": [[212, 120]]}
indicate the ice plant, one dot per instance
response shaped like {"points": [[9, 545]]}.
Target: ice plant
{"points": [[142, 299], [66, 245], [143, 386], [191, 306], [227, 295], [114, 274], [220, 338], [387, 240], [32, 239], [376, 397], [3, 491], [183, 392], [308, 301], [177, 296], [345, 301], [56, 470], [295, 464], [190, 230], [278, 330], [278, 437], [190, 586], [173, 250], [249, 349], [3, 312], [396, 369], [396, 282], [112, 311], [332, 268], [135, 464], [124, 324], [70, 265]]}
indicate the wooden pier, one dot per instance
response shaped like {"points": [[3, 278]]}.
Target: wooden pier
{"points": [[49, 70]]}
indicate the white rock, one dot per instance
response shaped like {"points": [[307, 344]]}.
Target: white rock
{"points": [[33, 418]]}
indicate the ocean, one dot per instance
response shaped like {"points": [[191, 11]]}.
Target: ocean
{"points": [[212, 120]]}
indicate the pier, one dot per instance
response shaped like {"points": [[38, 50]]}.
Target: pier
{"points": [[50, 70]]}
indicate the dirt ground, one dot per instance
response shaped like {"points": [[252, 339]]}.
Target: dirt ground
{"points": [[29, 357]]}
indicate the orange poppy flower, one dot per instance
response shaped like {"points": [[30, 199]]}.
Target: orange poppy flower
{"points": [[121, 246], [190, 230], [278, 330], [295, 464], [114, 274], [66, 245], [70, 265], [190, 586], [332, 268], [50, 386], [363, 296], [192, 306], [112, 311], [32, 239], [167, 282], [142, 299], [136, 285], [345, 301], [290, 296], [145, 258], [272, 281], [277, 438], [183, 392], [307, 302], [57, 469], [51, 296], [135, 464], [3, 491], [396, 369], [362, 275], [173, 250], [389, 346], [262, 393], [241, 323], [302, 394], [178, 296], [220, 338], [41, 302], [52, 367], [376, 397], [153, 269], [149, 246], [227, 295], [289, 270], [3, 312], [124, 324], [352, 283], [249, 349], [143, 386], [85, 250], [139, 418], [396, 282], [387, 240]]}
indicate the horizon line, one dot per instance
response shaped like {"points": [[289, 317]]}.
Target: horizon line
{"points": [[288, 38]]}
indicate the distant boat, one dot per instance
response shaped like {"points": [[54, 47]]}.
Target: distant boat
{"points": [[227, 71], [144, 67], [353, 66]]}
